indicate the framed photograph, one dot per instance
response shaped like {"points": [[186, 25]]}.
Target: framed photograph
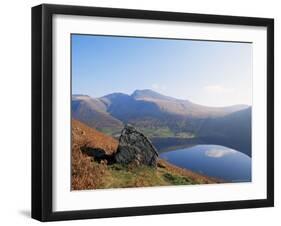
{"points": [[140, 112]]}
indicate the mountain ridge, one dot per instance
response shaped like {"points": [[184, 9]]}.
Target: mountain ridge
{"points": [[165, 103], [161, 116], [151, 93]]}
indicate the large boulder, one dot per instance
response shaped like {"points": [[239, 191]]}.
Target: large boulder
{"points": [[135, 147]]}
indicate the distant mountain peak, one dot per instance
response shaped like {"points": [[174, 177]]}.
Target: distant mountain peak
{"points": [[115, 95], [148, 93], [145, 92]]}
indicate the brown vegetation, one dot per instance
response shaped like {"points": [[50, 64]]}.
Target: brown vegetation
{"points": [[83, 135], [89, 174], [85, 173]]}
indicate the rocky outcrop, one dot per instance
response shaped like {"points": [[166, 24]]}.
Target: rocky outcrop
{"points": [[98, 154], [135, 147]]}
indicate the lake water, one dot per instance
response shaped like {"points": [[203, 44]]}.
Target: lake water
{"points": [[212, 160]]}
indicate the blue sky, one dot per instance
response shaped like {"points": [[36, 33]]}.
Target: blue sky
{"points": [[205, 72]]}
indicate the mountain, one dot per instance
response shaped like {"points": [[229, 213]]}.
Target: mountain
{"points": [[147, 94], [233, 130], [150, 103], [83, 135], [94, 113], [175, 106], [126, 108], [163, 117]]}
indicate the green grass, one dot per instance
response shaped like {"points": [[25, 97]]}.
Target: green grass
{"points": [[150, 132], [122, 176], [176, 180], [185, 135], [165, 132], [154, 132], [110, 131]]}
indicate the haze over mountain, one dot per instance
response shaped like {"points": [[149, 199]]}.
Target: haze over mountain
{"points": [[233, 130], [94, 113], [161, 117], [149, 101]]}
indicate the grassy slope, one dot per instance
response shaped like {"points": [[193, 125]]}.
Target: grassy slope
{"points": [[142, 176], [93, 112], [88, 174]]}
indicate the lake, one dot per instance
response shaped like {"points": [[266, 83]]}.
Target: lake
{"points": [[212, 160]]}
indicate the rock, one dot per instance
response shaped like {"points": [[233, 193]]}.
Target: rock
{"points": [[98, 154], [135, 147]]}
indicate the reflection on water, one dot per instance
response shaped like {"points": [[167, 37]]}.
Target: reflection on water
{"points": [[212, 160], [218, 153]]}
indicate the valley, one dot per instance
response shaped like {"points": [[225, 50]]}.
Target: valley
{"points": [[167, 121]]}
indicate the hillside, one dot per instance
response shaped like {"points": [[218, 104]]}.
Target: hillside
{"points": [[231, 129], [180, 107], [84, 135], [147, 110], [94, 113], [166, 120], [90, 174]]}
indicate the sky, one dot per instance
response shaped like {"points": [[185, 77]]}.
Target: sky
{"points": [[204, 72]]}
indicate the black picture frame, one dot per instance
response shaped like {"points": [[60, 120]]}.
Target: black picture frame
{"points": [[42, 111]]}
